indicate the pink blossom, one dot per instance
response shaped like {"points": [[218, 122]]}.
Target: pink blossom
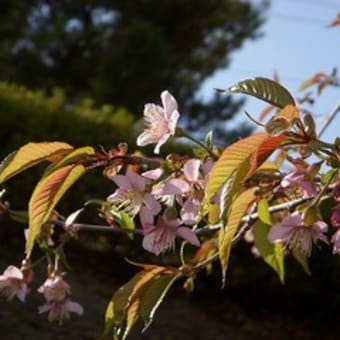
{"points": [[335, 217], [159, 122], [336, 242], [160, 237], [292, 231], [56, 291], [131, 195], [60, 310], [55, 288], [13, 283], [299, 177], [190, 211]]}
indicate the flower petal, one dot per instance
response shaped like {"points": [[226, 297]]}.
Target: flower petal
{"points": [[169, 103], [188, 235]]}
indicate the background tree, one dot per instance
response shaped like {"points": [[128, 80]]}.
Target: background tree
{"points": [[125, 52]]}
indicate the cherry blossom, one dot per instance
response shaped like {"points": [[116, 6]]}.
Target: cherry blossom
{"points": [[159, 122], [60, 310], [161, 237], [299, 177], [335, 217], [292, 231], [55, 288], [131, 195], [56, 291], [13, 283]]}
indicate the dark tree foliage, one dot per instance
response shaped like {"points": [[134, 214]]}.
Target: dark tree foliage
{"points": [[125, 52]]}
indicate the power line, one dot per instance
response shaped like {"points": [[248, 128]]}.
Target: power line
{"points": [[298, 18], [317, 3]]}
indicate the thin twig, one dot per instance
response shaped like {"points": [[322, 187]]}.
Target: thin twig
{"points": [[253, 216], [329, 119]]}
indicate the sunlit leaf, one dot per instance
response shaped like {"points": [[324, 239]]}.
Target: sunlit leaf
{"points": [[46, 195], [109, 317], [318, 78], [226, 233], [72, 157], [30, 155], [272, 254], [127, 300], [154, 296], [263, 211], [264, 150], [245, 156], [283, 120], [265, 89]]}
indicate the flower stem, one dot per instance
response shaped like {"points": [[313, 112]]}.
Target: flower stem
{"points": [[182, 133]]}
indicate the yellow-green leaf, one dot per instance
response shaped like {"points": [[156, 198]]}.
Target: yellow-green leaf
{"points": [[30, 155], [46, 195], [72, 157], [127, 300], [227, 233], [109, 316], [272, 254], [265, 89], [235, 157], [154, 296], [263, 211]]}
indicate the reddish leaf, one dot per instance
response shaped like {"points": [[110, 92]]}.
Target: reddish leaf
{"points": [[46, 195], [264, 150]]}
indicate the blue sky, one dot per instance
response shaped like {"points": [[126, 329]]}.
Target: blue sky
{"points": [[297, 44]]}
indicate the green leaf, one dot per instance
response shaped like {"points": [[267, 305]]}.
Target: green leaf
{"points": [[227, 195], [109, 317], [272, 254], [154, 296], [20, 216], [263, 211], [46, 195], [124, 220], [30, 155], [265, 89], [226, 233], [127, 300]]}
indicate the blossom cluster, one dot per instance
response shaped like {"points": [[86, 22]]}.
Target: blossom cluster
{"points": [[167, 200]]}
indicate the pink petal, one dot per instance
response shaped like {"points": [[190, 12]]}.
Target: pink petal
{"points": [[191, 170], [122, 181], [188, 235], [154, 206], [189, 212], [44, 308], [169, 103], [161, 141], [13, 272], [146, 216], [136, 180], [74, 307], [176, 186], [279, 233], [153, 174]]}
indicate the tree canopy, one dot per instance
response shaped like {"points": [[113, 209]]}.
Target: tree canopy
{"points": [[125, 52]]}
